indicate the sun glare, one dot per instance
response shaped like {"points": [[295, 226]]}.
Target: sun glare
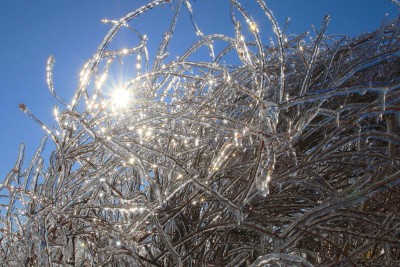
{"points": [[120, 98]]}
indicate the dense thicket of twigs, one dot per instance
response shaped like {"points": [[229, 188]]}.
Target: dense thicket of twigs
{"points": [[288, 152]]}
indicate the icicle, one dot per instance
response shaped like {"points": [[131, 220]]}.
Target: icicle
{"points": [[49, 80]]}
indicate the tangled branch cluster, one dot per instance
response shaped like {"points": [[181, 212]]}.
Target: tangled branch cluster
{"points": [[261, 154]]}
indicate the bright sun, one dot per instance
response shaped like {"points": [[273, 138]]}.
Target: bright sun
{"points": [[120, 98]]}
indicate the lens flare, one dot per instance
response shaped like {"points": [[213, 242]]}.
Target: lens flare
{"points": [[120, 98]]}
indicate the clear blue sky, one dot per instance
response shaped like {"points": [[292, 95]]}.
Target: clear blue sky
{"points": [[71, 30]]}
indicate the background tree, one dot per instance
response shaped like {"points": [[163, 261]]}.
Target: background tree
{"points": [[284, 153]]}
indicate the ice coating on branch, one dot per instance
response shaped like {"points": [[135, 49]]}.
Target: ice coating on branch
{"points": [[280, 259], [258, 153]]}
